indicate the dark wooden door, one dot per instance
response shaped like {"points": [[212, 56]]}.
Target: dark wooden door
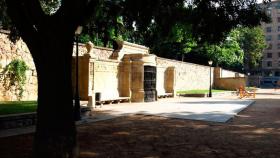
{"points": [[150, 78]]}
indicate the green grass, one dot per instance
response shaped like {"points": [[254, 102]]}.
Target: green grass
{"points": [[16, 107], [251, 88], [199, 91]]}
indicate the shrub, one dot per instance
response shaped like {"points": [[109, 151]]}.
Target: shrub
{"points": [[15, 76]]}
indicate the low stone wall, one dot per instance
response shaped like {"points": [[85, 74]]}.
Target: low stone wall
{"points": [[8, 52], [230, 83], [227, 73], [188, 76], [222, 73], [17, 120]]}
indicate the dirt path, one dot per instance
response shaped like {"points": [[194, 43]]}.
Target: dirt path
{"points": [[254, 133]]}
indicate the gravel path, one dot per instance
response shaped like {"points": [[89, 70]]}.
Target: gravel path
{"points": [[253, 133]]}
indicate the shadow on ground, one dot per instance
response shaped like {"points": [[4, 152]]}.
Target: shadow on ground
{"points": [[255, 132]]}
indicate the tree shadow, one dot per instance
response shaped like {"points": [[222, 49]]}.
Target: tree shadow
{"points": [[254, 132]]}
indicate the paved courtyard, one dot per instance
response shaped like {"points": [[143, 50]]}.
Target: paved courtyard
{"points": [[204, 109]]}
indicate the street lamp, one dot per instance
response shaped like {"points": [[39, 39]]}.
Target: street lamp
{"points": [[210, 87], [248, 82], [77, 106]]}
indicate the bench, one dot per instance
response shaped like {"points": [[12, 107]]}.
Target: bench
{"points": [[111, 100], [165, 95], [242, 92]]}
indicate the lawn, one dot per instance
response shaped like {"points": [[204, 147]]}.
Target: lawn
{"points": [[199, 91], [15, 107]]}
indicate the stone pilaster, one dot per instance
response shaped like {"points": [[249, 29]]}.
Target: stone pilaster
{"points": [[217, 75], [217, 72], [124, 79], [137, 80], [170, 80], [91, 93]]}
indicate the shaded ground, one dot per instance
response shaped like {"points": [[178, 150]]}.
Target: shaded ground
{"points": [[254, 133]]}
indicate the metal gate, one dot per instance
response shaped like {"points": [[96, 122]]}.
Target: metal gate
{"points": [[150, 78]]}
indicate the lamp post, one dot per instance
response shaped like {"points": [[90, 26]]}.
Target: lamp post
{"points": [[248, 82], [210, 87], [77, 108]]}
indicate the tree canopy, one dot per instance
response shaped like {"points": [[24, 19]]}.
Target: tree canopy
{"points": [[252, 41], [241, 50], [144, 21]]}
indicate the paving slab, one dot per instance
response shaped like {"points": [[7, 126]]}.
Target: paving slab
{"points": [[203, 109]]}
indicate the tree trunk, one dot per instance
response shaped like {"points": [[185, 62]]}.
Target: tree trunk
{"points": [[55, 131], [50, 41]]}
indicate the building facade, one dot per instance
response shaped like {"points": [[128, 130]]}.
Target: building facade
{"points": [[271, 55]]}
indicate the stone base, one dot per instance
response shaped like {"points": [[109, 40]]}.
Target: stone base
{"points": [[137, 96]]}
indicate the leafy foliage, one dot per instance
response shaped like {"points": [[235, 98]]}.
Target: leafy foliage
{"points": [[15, 76], [50, 6], [252, 41], [242, 48], [228, 54], [152, 22]]}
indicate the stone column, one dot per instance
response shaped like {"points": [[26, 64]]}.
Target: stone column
{"points": [[217, 75], [124, 79], [90, 89], [170, 80], [91, 93], [83, 76], [137, 80], [217, 72]]}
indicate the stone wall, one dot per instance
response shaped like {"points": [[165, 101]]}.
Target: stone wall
{"points": [[188, 76], [222, 73], [99, 53], [119, 72], [8, 52], [228, 80], [230, 83], [106, 79]]}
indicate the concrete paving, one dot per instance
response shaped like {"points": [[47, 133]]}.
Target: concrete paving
{"points": [[204, 109]]}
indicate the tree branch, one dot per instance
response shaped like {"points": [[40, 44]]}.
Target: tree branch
{"points": [[26, 12], [27, 16], [76, 12]]}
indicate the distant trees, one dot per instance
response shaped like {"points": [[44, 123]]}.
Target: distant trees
{"points": [[241, 50], [252, 42], [228, 54]]}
